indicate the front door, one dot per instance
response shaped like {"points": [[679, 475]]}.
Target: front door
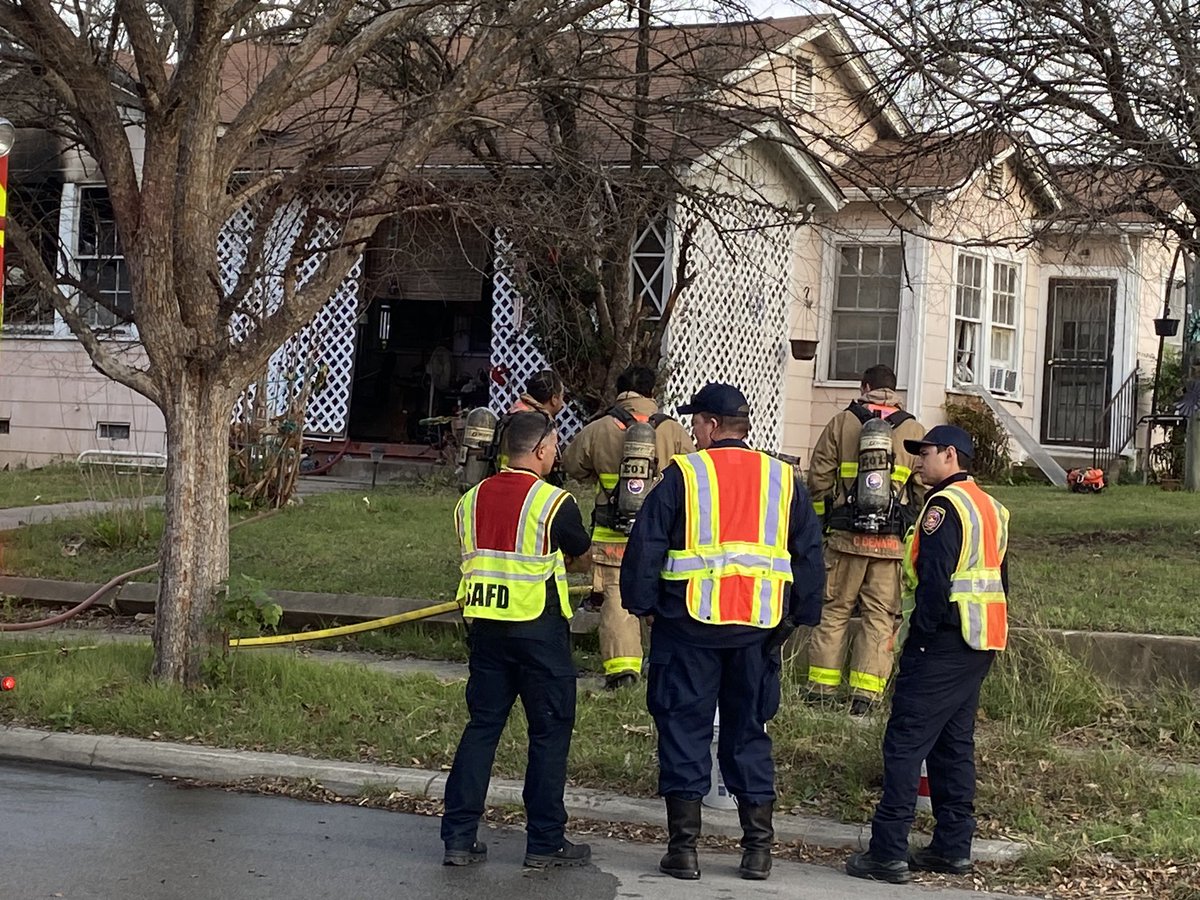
{"points": [[1079, 350]]}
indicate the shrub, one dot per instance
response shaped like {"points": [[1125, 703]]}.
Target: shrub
{"points": [[992, 457]]}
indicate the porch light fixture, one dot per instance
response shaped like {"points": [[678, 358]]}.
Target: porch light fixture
{"points": [[385, 323]]}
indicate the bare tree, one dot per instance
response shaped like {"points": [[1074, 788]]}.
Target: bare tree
{"points": [[1108, 89], [595, 156], [144, 90]]}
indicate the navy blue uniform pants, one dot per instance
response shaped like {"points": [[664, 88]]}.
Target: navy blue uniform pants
{"points": [[685, 686], [540, 671], [933, 719]]}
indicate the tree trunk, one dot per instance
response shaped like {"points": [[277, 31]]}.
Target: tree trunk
{"points": [[194, 557]]}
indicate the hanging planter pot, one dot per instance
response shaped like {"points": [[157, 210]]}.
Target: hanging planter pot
{"points": [[803, 349], [1166, 327]]}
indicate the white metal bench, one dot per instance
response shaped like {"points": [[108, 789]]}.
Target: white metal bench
{"points": [[123, 460]]}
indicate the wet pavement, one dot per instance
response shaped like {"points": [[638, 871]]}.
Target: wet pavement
{"points": [[70, 833]]}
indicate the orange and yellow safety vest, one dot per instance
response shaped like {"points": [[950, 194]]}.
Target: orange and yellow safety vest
{"points": [[735, 559], [976, 585]]}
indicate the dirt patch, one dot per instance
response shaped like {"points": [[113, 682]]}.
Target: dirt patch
{"points": [[1158, 539]]}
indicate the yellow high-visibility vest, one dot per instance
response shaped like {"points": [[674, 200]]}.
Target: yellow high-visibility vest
{"points": [[506, 579]]}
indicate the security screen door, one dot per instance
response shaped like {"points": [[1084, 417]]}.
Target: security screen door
{"points": [[1079, 348]]}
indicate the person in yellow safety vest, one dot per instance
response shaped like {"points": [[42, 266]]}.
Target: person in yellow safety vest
{"points": [[516, 532], [862, 568], [956, 604], [595, 455]]}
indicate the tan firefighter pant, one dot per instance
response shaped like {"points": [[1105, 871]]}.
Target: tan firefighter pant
{"points": [[875, 584], [620, 632]]}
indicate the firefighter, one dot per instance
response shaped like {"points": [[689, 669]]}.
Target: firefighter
{"points": [[517, 532], [725, 562], [955, 604], [595, 455], [544, 392], [862, 554]]}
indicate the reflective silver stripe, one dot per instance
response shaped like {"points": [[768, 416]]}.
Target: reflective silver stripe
{"points": [[704, 502], [774, 498], [509, 556], [971, 546], [706, 599], [976, 584], [505, 576], [684, 565], [974, 626], [765, 593], [459, 527], [548, 495], [523, 521]]}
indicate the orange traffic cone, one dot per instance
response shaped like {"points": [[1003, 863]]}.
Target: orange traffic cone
{"points": [[924, 801]]}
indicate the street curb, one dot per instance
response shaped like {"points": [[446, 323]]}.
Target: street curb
{"points": [[168, 759]]}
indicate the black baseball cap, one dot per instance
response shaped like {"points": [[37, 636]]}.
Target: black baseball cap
{"points": [[718, 400], [944, 436]]}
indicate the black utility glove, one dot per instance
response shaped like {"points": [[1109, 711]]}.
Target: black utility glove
{"points": [[779, 635]]}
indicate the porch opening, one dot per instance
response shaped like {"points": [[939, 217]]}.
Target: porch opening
{"points": [[423, 346]]}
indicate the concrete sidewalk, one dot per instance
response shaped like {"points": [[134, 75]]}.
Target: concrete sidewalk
{"points": [[19, 516]]}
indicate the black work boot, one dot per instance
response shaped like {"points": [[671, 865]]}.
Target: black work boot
{"points": [[929, 860], [758, 834], [683, 829], [864, 865], [568, 855], [465, 856]]}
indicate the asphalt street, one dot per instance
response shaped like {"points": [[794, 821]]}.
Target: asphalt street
{"points": [[72, 833]]}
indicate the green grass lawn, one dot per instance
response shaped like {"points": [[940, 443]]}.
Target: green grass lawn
{"points": [[1067, 804], [36, 487], [1124, 560], [391, 543]]}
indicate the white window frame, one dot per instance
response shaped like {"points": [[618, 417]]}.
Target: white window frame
{"points": [[647, 265], [971, 360], [905, 302], [78, 259]]}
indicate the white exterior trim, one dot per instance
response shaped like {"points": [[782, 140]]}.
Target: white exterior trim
{"points": [[909, 339], [989, 255]]}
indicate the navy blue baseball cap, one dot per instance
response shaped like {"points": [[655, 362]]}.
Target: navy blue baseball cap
{"points": [[718, 400], [944, 436]]}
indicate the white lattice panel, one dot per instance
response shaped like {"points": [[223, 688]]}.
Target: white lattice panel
{"points": [[327, 343], [513, 348], [730, 325]]}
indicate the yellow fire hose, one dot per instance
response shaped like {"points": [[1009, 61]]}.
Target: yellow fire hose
{"points": [[412, 616]]}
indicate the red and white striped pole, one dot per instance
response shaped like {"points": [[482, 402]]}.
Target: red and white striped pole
{"points": [[8, 135], [924, 801]]}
